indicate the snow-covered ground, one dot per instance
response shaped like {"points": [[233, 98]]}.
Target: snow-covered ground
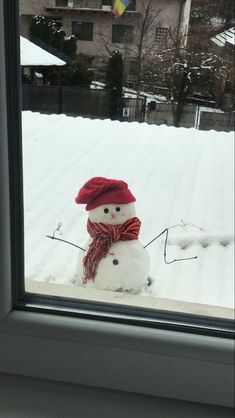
{"points": [[174, 173]]}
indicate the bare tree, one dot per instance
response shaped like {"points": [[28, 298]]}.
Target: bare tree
{"points": [[184, 71], [145, 33], [135, 53]]}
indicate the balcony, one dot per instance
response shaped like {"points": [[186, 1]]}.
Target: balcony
{"points": [[88, 6]]}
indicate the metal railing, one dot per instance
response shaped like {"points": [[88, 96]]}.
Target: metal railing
{"points": [[106, 103]]}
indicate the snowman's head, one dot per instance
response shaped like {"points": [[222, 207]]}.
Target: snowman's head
{"points": [[100, 193], [112, 214]]}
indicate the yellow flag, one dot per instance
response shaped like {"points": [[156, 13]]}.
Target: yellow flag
{"points": [[120, 6]]}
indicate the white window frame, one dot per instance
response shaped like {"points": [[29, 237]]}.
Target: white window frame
{"points": [[144, 360]]}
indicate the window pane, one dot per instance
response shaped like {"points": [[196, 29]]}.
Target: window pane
{"points": [[83, 30], [177, 164], [123, 34], [107, 2], [131, 6], [61, 3]]}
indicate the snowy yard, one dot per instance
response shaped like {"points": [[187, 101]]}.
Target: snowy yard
{"points": [[174, 173]]}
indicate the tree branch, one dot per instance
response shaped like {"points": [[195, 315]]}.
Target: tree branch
{"points": [[166, 231], [67, 242]]}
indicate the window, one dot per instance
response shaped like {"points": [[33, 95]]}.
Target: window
{"points": [[61, 150], [61, 339], [161, 35], [107, 3], [131, 6], [61, 3], [83, 30], [123, 34]]}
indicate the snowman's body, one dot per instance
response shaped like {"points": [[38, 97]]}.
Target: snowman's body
{"points": [[126, 266]]}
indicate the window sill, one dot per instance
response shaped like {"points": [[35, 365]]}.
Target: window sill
{"points": [[149, 302], [118, 356]]}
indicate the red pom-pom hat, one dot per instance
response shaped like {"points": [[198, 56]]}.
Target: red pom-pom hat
{"points": [[101, 191]]}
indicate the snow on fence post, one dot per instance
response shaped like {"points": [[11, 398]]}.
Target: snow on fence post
{"points": [[197, 117]]}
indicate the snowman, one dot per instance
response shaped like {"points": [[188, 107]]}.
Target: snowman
{"points": [[114, 259]]}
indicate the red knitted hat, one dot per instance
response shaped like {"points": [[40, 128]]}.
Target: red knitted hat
{"points": [[100, 191]]}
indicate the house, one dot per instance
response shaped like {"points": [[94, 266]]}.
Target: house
{"points": [[225, 39], [37, 65], [97, 30], [207, 18]]}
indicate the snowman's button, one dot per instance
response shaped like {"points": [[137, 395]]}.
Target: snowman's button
{"points": [[115, 261]]}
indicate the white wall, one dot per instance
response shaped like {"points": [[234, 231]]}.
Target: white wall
{"points": [[34, 398]]}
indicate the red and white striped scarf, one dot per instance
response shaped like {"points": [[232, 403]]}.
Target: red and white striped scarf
{"points": [[103, 237]]}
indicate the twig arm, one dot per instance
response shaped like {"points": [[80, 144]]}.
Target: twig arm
{"points": [[176, 259], [67, 242], [154, 239]]}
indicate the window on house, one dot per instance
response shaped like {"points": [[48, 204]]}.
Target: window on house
{"points": [[161, 35], [61, 3], [131, 6], [123, 34], [107, 3], [83, 30]]}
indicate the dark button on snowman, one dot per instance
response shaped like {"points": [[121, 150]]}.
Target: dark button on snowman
{"points": [[114, 259]]}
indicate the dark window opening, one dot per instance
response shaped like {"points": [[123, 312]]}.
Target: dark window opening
{"points": [[61, 3], [107, 3], [123, 34], [131, 6], [83, 30]]}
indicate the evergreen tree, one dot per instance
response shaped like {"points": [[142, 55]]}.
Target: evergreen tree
{"points": [[46, 30], [114, 75], [77, 73]]}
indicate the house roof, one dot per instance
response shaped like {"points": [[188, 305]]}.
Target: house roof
{"points": [[175, 173], [33, 55], [227, 36]]}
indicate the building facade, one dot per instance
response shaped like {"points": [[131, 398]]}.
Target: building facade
{"points": [[98, 32]]}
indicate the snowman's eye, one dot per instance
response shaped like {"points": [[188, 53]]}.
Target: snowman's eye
{"points": [[118, 209], [106, 210]]}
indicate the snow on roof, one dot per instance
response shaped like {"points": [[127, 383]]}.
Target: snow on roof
{"points": [[33, 55], [131, 93], [173, 173], [227, 36]]}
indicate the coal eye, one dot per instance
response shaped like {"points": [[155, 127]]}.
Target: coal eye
{"points": [[106, 210], [118, 209]]}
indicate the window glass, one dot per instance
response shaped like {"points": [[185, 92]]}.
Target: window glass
{"points": [[132, 5], [61, 3], [123, 34], [143, 115], [107, 3], [83, 30]]}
